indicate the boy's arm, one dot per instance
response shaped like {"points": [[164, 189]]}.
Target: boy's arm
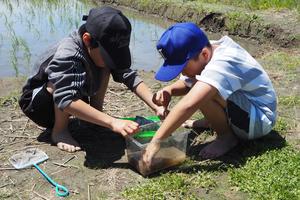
{"points": [[97, 100], [177, 89], [163, 96], [86, 112], [144, 93], [196, 98], [130, 78], [186, 107]]}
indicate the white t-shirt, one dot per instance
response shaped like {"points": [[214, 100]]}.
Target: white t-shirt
{"points": [[240, 78]]}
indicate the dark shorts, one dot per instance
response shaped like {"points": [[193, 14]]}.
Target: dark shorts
{"points": [[238, 119], [40, 107], [238, 116]]}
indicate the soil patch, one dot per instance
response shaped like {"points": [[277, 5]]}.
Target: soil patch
{"points": [[101, 169]]}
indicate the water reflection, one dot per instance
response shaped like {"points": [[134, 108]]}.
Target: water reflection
{"points": [[30, 26]]}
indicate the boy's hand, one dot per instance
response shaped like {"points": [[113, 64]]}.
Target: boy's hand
{"points": [[162, 112], [150, 151], [125, 127], [162, 98]]}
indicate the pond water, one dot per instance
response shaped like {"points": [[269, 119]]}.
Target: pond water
{"points": [[29, 26]]}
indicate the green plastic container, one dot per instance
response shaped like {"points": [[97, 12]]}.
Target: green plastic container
{"points": [[145, 134]]}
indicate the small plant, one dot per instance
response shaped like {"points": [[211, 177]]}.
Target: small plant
{"points": [[289, 101], [171, 186], [283, 61], [26, 52], [14, 62], [273, 175], [9, 100], [235, 20], [258, 4], [281, 126]]}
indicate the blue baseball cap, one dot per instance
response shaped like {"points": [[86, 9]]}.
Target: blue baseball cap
{"points": [[178, 44]]}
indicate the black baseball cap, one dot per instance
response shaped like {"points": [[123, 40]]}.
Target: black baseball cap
{"points": [[111, 29]]}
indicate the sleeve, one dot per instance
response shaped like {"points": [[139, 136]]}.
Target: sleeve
{"points": [[127, 76], [221, 78], [189, 82], [68, 77]]}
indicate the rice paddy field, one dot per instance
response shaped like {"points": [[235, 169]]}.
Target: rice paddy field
{"points": [[267, 168]]}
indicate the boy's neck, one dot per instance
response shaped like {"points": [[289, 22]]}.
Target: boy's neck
{"points": [[214, 46]]}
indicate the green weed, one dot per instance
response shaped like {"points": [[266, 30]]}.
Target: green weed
{"points": [[12, 99], [6, 192], [258, 4], [289, 101], [273, 175], [171, 186], [281, 126], [101, 196], [20, 52], [237, 19], [26, 50], [14, 62], [282, 61]]}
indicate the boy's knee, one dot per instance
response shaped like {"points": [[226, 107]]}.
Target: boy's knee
{"points": [[216, 100], [219, 99]]}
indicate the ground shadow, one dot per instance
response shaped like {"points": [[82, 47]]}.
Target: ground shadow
{"points": [[103, 147], [236, 157]]}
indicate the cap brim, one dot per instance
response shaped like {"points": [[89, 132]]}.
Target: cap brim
{"points": [[169, 72], [116, 58]]}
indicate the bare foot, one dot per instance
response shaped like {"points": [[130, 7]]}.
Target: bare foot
{"points": [[219, 146], [65, 141], [200, 123]]}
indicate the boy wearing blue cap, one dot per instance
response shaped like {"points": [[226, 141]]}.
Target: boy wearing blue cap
{"points": [[71, 78], [222, 80]]}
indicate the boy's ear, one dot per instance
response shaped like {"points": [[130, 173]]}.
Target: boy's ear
{"points": [[86, 38], [205, 53]]}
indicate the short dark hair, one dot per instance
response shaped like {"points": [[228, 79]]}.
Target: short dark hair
{"points": [[82, 30], [208, 45]]}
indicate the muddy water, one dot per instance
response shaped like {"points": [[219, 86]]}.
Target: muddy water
{"points": [[166, 157], [30, 26]]}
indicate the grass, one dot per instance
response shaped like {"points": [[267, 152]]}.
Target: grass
{"points": [[26, 52], [259, 4], [267, 168], [172, 186], [282, 126], [9, 100], [6, 193], [289, 101], [273, 175], [282, 60], [283, 67], [238, 19]]}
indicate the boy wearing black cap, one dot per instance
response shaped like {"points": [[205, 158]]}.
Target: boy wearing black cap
{"points": [[222, 80], [71, 78]]}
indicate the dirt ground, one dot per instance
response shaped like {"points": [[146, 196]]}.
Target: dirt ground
{"points": [[100, 171]]}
